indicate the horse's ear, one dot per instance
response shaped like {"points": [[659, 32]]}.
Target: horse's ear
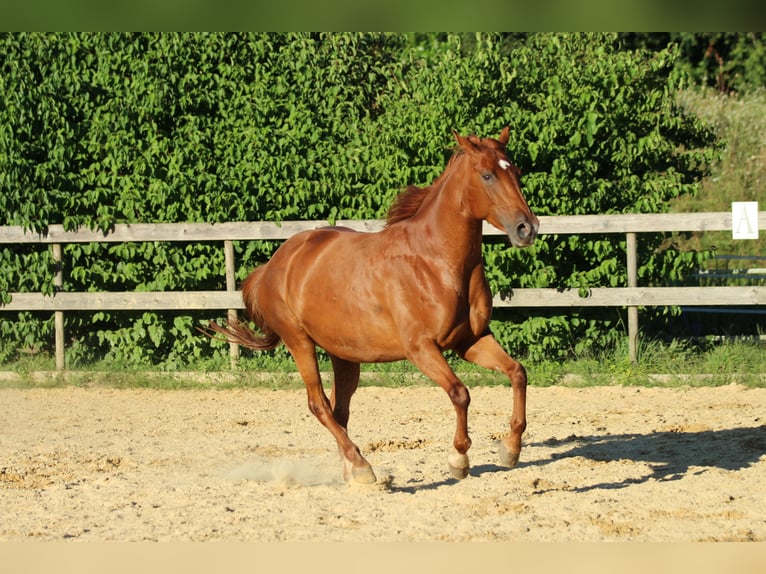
{"points": [[464, 143], [504, 136]]}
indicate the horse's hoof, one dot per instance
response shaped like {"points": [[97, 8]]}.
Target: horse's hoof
{"points": [[363, 475], [458, 473], [358, 474], [508, 458], [458, 465]]}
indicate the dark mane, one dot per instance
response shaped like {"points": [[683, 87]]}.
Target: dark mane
{"points": [[409, 201]]}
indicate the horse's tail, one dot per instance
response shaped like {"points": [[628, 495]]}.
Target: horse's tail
{"points": [[239, 331]]}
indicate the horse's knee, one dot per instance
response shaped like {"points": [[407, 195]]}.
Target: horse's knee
{"points": [[459, 395], [518, 374]]}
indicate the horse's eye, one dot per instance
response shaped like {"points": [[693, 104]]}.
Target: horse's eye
{"points": [[487, 177]]}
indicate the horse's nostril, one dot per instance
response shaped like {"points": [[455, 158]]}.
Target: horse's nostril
{"points": [[526, 233]]}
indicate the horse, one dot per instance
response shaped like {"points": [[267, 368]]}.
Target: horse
{"points": [[412, 290]]}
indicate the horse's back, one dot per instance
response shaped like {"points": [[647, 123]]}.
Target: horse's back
{"points": [[314, 265], [304, 249]]}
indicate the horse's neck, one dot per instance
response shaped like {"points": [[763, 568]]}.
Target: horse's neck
{"points": [[447, 225]]}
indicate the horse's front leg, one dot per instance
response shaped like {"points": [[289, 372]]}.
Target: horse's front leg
{"points": [[488, 353], [429, 360]]}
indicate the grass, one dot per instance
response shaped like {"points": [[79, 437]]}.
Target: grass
{"points": [[677, 363], [707, 363]]}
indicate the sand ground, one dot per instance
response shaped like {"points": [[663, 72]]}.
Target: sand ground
{"points": [[599, 464]]}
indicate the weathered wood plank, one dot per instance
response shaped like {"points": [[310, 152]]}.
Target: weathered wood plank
{"points": [[265, 230], [640, 222], [127, 301], [189, 232], [635, 296], [212, 300]]}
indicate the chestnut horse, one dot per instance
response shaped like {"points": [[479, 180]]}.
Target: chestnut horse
{"points": [[410, 291]]}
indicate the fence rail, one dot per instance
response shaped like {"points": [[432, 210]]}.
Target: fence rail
{"points": [[200, 300], [630, 296], [260, 230]]}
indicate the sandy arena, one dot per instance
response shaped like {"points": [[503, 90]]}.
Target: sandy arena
{"points": [[599, 464]]}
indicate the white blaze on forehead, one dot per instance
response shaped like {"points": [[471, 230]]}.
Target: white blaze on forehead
{"points": [[504, 164]]}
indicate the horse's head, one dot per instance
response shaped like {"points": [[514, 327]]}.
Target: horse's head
{"points": [[493, 189]]}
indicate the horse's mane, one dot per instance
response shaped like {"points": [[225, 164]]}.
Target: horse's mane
{"points": [[409, 201]]}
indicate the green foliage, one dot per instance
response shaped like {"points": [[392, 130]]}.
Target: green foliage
{"points": [[99, 129], [727, 61]]}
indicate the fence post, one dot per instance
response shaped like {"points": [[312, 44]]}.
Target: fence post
{"points": [[632, 282], [231, 285], [58, 316]]}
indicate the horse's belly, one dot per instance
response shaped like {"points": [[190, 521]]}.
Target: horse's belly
{"points": [[353, 331]]}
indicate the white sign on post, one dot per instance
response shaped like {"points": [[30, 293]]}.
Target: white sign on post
{"points": [[744, 220]]}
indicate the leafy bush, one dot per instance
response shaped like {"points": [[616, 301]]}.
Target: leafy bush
{"points": [[101, 129], [727, 61]]}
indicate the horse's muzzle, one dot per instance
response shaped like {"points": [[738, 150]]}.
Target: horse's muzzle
{"points": [[525, 232]]}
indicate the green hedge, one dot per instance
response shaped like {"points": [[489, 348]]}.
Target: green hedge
{"points": [[99, 129]]}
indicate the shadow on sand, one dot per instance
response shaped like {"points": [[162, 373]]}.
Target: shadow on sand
{"points": [[670, 454]]}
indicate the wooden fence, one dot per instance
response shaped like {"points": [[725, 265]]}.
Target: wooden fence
{"points": [[631, 295]]}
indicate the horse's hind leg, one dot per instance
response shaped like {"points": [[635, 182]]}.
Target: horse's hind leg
{"points": [[344, 386], [356, 468], [345, 383], [488, 353]]}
